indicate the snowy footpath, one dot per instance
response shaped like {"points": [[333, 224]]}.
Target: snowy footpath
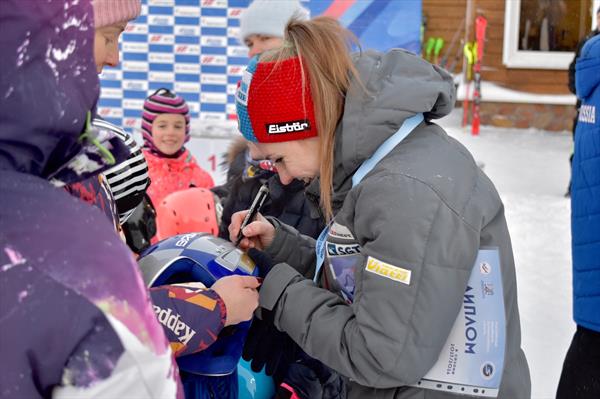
{"points": [[530, 169]]}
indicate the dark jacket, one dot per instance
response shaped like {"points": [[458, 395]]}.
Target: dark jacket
{"points": [[406, 237], [75, 317], [585, 191], [286, 203]]}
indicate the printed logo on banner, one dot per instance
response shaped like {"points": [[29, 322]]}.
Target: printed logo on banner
{"points": [[162, 20], [111, 74], [136, 28], [138, 85], [133, 104], [237, 51], [161, 76], [214, 3], [187, 30], [161, 2], [231, 89], [235, 70], [213, 60], [233, 31], [109, 92], [135, 66], [161, 58], [132, 122], [234, 12], [212, 116], [134, 47], [161, 39], [213, 41], [194, 107], [186, 11], [213, 98], [110, 112], [231, 109], [187, 87], [213, 79], [182, 67], [213, 22], [191, 49]]}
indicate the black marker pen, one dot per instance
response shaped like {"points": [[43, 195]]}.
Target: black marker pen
{"points": [[257, 203]]}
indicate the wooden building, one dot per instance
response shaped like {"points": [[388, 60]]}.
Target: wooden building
{"points": [[529, 45]]}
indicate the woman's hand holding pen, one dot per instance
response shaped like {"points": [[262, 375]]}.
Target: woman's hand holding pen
{"points": [[258, 234]]}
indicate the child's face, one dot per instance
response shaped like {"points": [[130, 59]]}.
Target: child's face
{"points": [[168, 132]]}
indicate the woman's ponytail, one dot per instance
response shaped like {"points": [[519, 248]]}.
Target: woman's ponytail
{"points": [[323, 47]]}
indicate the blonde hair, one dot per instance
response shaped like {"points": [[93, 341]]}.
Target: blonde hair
{"points": [[323, 47]]}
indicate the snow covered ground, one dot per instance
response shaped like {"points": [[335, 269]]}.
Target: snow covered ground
{"points": [[531, 171]]}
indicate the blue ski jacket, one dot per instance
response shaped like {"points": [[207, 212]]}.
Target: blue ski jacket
{"points": [[585, 194]]}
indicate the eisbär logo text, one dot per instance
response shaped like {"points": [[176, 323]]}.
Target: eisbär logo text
{"points": [[288, 127]]}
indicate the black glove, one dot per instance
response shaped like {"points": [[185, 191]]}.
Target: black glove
{"points": [[270, 348], [304, 382], [310, 379], [262, 260]]}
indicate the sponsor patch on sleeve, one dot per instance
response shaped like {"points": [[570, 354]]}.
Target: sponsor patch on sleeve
{"points": [[339, 231], [388, 271]]}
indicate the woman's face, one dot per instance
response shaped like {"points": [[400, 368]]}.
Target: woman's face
{"points": [[298, 159], [106, 45], [168, 133], [259, 43]]}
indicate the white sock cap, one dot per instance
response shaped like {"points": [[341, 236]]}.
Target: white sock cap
{"points": [[269, 17]]}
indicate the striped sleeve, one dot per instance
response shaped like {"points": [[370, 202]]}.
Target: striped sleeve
{"points": [[128, 180]]}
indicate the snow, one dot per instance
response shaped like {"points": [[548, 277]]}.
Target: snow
{"points": [[530, 169], [492, 92]]}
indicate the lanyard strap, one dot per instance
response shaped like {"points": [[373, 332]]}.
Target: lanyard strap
{"points": [[407, 126]]}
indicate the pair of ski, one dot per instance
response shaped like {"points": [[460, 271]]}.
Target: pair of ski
{"points": [[474, 54]]}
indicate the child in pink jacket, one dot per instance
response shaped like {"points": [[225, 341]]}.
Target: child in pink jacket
{"points": [[165, 128]]}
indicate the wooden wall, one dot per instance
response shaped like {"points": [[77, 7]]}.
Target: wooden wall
{"points": [[443, 19]]}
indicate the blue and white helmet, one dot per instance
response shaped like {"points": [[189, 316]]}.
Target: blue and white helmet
{"points": [[201, 257]]}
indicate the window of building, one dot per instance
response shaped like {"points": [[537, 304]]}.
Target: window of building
{"points": [[544, 33]]}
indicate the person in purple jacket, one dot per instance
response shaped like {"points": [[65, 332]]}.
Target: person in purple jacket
{"points": [[75, 317]]}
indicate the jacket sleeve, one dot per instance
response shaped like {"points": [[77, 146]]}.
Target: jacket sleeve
{"points": [[191, 316], [293, 248], [137, 373], [418, 254]]}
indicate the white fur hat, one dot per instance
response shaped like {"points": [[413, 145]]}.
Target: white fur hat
{"points": [[269, 17]]}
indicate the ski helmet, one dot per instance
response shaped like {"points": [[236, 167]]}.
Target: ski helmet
{"points": [[191, 210], [201, 257]]}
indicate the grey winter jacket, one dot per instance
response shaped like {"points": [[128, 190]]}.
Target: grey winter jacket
{"points": [[426, 208]]}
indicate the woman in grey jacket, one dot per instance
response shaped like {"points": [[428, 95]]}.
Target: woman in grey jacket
{"points": [[410, 214]]}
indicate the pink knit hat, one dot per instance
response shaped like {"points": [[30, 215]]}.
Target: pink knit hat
{"points": [[108, 12]]}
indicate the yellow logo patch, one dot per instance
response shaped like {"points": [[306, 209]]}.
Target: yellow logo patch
{"points": [[389, 271]]}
